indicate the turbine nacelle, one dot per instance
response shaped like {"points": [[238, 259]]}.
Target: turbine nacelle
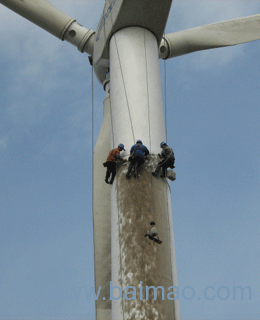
{"points": [[118, 14]]}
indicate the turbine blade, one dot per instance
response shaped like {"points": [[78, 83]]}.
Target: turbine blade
{"points": [[102, 215], [48, 17], [215, 35]]}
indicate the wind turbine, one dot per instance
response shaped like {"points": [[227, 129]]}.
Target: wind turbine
{"points": [[130, 53]]}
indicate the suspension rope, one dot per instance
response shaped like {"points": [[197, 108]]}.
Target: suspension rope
{"points": [[123, 79], [111, 114], [148, 108], [167, 186], [111, 120], [165, 98], [147, 89], [92, 137], [92, 127], [92, 164]]}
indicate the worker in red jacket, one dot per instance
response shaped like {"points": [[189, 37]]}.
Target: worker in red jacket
{"points": [[110, 164]]}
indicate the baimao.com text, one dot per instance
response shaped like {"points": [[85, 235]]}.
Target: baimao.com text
{"points": [[153, 293]]}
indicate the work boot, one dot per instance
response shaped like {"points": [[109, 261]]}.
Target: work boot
{"points": [[155, 174], [111, 182], [107, 181]]}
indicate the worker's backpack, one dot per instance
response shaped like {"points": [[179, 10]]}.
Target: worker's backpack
{"points": [[132, 155]]}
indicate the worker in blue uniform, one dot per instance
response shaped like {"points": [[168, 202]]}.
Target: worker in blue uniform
{"points": [[137, 154]]}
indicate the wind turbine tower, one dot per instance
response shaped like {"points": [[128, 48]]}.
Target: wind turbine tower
{"points": [[136, 278]]}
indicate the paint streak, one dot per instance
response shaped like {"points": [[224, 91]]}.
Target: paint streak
{"points": [[140, 202]]}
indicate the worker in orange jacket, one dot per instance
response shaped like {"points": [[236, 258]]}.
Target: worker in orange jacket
{"points": [[110, 164]]}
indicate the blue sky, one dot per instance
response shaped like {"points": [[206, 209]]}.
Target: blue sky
{"points": [[213, 118]]}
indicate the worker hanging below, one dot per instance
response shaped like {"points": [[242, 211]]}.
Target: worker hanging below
{"points": [[136, 158], [168, 159], [110, 164], [152, 234]]}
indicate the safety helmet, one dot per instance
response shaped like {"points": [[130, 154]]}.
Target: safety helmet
{"points": [[139, 141], [162, 144], [121, 146]]}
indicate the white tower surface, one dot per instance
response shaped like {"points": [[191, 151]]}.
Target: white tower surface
{"points": [[137, 113]]}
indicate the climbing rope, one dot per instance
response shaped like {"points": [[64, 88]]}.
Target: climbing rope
{"points": [[92, 160], [148, 108], [92, 128], [165, 98], [167, 186], [111, 120], [92, 136], [147, 89], [123, 79]]}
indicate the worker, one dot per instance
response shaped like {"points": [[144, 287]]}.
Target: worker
{"points": [[110, 164], [152, 234], [137, 154], [168, 159]]}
